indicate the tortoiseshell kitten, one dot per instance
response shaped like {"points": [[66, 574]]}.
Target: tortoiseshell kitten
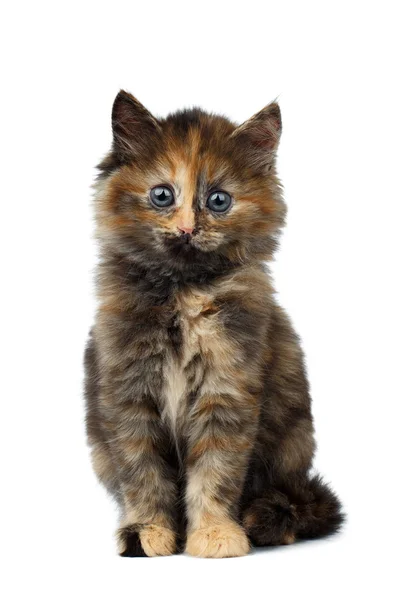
{"points": [[198, 410]]}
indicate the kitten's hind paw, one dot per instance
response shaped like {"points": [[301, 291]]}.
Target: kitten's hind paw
{"points": [[219, 541]]}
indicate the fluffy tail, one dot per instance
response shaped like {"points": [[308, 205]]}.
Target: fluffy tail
{"points": [[301, 508]]}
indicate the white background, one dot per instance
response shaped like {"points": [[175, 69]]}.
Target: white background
{"points": [[334, 67]]}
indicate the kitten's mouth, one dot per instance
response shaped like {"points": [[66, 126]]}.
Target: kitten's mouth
{"points": [[183, 245], [185, 239]]}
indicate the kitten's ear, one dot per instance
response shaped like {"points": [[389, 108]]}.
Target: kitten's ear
{"points": [[133, 126], [262, 133]]}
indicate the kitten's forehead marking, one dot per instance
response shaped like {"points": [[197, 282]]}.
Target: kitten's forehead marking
{"points": [[185, 185], [186, 190], [192, 169], [185, 166]]}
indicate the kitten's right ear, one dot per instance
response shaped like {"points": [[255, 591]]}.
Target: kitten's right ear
{"points": [[133, 127]]}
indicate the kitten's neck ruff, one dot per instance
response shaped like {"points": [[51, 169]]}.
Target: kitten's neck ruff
{"points": [[183, 274], [157, 283]]}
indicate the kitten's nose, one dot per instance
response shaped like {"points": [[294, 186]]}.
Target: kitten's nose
{"points": [[188, 230]]}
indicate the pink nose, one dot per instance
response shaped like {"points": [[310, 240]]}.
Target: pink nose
{"points": [[186, 229]]}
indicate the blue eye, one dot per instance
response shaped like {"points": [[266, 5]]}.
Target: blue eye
{"points": [[219, 202], [161, 196]]}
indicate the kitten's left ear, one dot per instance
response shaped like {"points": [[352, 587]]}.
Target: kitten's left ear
{"points": [[262, 133]]}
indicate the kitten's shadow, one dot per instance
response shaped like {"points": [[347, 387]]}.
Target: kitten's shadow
{"points": [[292, 547]]}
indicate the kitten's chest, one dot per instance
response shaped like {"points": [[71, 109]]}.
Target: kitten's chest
{"points": [[196, 328]]}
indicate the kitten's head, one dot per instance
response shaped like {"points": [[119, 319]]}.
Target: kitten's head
{"points": [[192, 192]]}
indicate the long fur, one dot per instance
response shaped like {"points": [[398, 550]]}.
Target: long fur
{"points": [[198, 407]]}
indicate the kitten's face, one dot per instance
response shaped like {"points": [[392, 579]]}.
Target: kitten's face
{"points": [[191, 191]]}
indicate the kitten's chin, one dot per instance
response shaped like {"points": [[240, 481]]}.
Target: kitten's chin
{"points": [[183, 252], [193, 259]]}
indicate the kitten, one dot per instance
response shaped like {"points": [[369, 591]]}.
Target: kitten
{"points": [[198, 410]]}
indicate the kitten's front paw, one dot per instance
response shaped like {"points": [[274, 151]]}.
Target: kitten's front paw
{"points": [[129, 542], [157, 541], [219, 541], [147, 540]]}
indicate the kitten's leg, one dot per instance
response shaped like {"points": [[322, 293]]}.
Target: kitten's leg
{"points": [[126, 438], [221, 437], [100, 452], [285, 502], [138, 442]]}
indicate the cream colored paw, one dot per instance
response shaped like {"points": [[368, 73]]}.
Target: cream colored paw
{"points": [[219, 541], [157, 541], [288, 538]]}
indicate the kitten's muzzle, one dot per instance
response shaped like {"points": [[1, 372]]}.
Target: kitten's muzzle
{"points": [[182, 244], [186, 235], [185, 238]]}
